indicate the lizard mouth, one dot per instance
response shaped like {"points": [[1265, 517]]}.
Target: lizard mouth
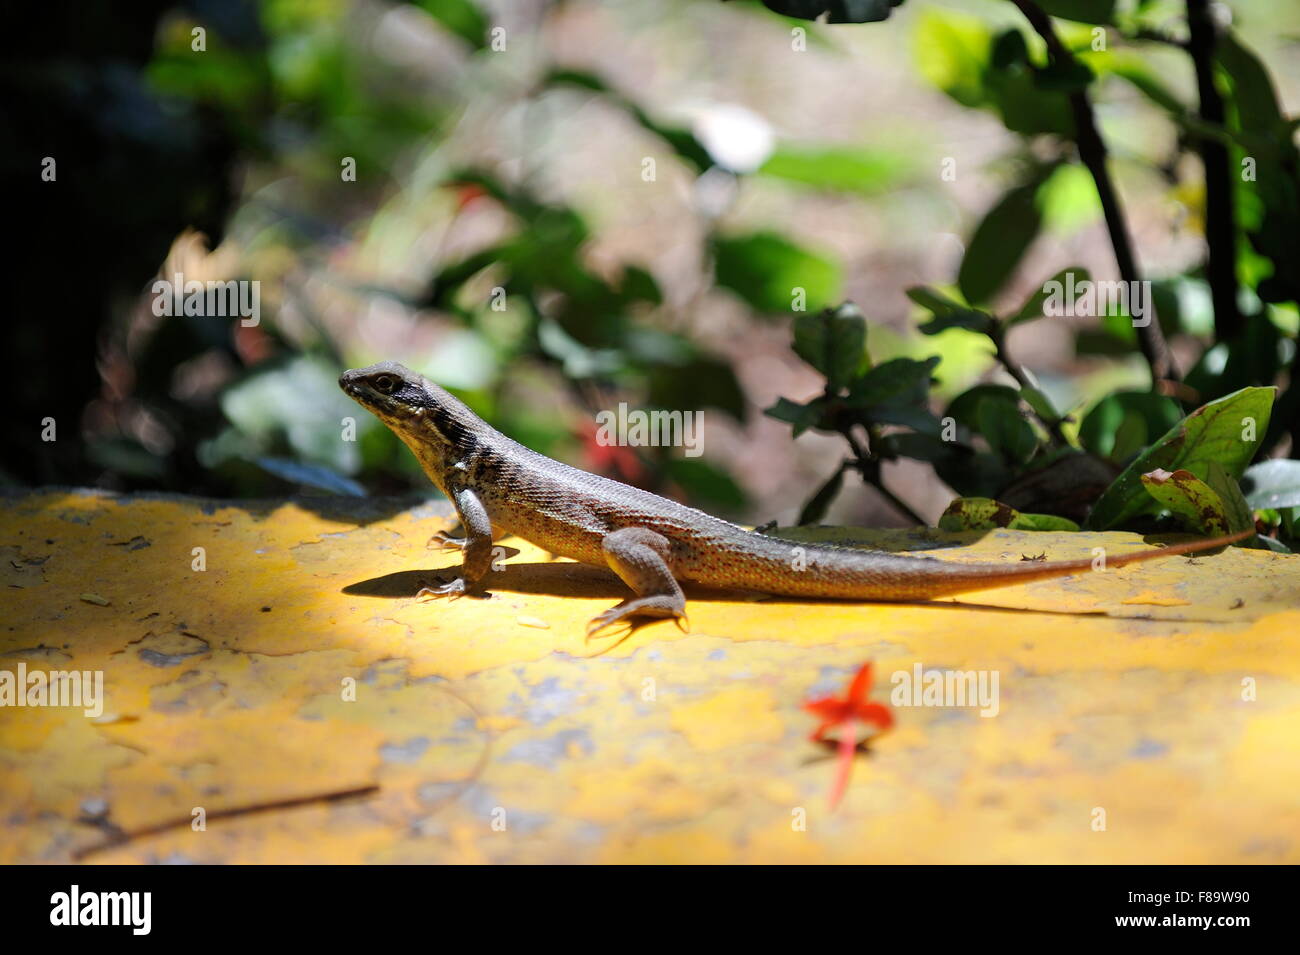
{"points": [[354, 387]]}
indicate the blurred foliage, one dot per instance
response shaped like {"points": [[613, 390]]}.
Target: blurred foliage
{"points": [[1132, 457], [245, 142]]}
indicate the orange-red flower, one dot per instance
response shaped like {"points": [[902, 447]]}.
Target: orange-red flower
{"points": [[846, 714]]}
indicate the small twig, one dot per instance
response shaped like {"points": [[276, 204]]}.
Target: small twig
{"points": [[120, 837], [1092, 153]]}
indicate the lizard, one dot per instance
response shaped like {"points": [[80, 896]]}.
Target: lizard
{"points": [[652, 543]]}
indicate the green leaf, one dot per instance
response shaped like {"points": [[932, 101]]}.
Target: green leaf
{"points": [[1041, 404], [1006, 431], [1100, 427], [999, 242], [1252, 87], [1272, 484], [994, 411], [1053, 287], [948, 313], [1062, 77], [1193, 501], [967, 472], [1240, 516], [765, 269], [834, 341], [1026, 100], [1130, 437], [952, 52], [1042, 522], [838, 11], [802, 417], [1085, 11], [896, 383], [918, 419], [461, 17], [1228, 430], [816, 507], [862, 170], [919, 446], [983, 513]]}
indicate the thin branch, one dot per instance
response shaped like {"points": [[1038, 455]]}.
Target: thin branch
{"points": [[1092, 153], [1053, 426], [868, 465], [1220, 216]]}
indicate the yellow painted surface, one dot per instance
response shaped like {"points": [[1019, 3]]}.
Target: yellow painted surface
{"points": [[495, 732]]}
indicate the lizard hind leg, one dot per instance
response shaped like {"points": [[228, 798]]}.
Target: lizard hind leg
{"points": [[640, 558]]}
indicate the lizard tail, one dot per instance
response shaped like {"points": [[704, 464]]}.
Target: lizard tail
{"points": [[962, 578]]}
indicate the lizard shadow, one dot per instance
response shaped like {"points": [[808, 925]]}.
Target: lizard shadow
{"points": [[565, 579], [556, 579]]}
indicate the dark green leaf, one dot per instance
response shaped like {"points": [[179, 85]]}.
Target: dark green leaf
{"points": [[897, 382], [1085, 11], [917, 418], [981, 474], [1099, 427], [1041, 404], [1054, 288], [948, 313], [919, 446], [1062, 77], [1007, 431], [1130, 437], [834, 341], [999, 241], [994, 412], [802, 417], [839, 11]]}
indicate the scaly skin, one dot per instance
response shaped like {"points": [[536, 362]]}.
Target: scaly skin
{"points": [[499, 486]]}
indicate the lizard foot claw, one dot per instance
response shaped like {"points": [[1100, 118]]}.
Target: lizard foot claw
{"points": [[454, 589], [637, 607], [445, 541]]}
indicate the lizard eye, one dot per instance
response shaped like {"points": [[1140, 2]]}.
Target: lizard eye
{"points": [[384, 384]]}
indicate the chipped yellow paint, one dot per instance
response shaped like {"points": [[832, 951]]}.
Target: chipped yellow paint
{"points": [[296, 665], [729, 718]]}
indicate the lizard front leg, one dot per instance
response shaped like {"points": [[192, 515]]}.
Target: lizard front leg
{"points": [[640, 557], [475, 546]]}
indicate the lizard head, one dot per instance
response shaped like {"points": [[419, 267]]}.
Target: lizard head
{"points": [[423, 415]]}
